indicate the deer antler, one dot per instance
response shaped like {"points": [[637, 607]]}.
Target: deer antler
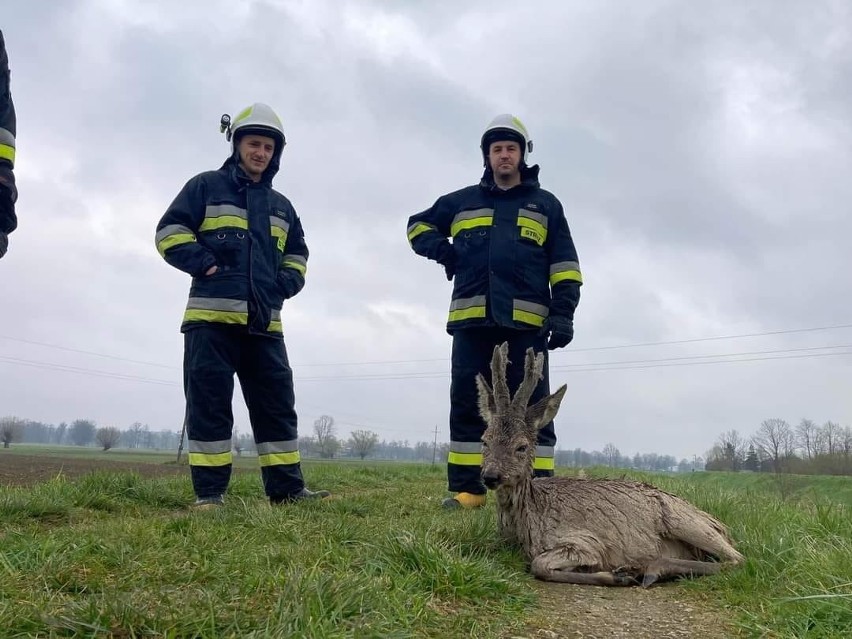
{"points": [[533, 365], [499, 361]]}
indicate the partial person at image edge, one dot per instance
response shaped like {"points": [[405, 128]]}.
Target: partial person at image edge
{"points": [[8, 126]]}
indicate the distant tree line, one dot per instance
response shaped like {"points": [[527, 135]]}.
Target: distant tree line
{"points": [[778, 447], [323, 443], [85, 432]]}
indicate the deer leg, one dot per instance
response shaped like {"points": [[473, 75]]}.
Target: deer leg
{"points": [[543, 567], [665, 567]]}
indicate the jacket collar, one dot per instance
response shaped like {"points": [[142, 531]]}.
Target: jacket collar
{"points": [[237, 174], [529, 179]]}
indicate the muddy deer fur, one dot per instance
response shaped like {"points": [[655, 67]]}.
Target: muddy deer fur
{"points": [[605, 532]]}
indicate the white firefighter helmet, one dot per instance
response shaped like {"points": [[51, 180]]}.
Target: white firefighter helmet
{"points": [[258, 118], [506, 127]]}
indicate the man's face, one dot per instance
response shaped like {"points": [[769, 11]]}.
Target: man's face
{"points": [[255, 153], [504, 157]]}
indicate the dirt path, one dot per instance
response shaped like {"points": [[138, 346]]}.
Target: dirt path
{"points": [[608, 613]]}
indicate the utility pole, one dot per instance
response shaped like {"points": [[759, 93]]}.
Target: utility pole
{"points": [[435, 445]]}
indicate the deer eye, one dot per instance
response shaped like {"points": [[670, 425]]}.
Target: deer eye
{"points": [[484, 444], [521, 449]]}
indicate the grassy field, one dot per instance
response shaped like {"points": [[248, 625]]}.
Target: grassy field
{"points": [[116, 554]]}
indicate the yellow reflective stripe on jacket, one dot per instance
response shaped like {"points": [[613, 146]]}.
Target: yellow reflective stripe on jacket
{"points": [[533, 226], [215, 309], [561, 271], [470, 220], [465, 459], [217, 216], [279, 459], [222, 317], [419, 227], [467, 308], [275, 325], [529, 312], [210, 459], [173, 235]]}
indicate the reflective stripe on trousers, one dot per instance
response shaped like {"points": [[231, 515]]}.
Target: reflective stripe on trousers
{"points": [[212, 356], [472, 352]]}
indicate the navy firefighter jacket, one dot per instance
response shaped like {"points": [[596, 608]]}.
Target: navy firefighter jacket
{"points": [[251, 232], [512, 253]]}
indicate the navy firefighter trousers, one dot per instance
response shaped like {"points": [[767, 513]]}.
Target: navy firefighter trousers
{"points": [[212, 355], [472, 352]]}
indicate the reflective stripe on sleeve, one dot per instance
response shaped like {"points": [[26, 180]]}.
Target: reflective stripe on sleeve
{"points": [[173, 235], [560, 271], [419, 227], [296, 262], [7, 146]]}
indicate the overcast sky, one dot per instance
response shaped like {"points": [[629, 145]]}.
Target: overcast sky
{"points": [[701, 152]]}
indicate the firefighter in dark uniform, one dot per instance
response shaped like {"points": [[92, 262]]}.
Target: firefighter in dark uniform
{"points": [[243, 245], [516, 279], [8, 192]]}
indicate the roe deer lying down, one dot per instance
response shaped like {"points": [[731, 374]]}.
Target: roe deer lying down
{"points": [[604, 532]]}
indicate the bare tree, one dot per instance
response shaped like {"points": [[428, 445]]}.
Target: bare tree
{"points": [[363, 442], [134, 435], [60, 432], [107, 437], [830, 438], [774, 439], [806, 437], [326, 441], [733, 449], [11, 430], [612, 454]]}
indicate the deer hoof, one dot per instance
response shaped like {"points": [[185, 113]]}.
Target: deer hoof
{"points": [[649, 579]]}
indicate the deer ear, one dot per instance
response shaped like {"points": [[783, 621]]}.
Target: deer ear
{"points": [[486, 399], [543, 411]]}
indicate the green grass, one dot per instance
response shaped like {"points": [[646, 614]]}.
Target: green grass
{"points": [[113, 554], [797, 580]]}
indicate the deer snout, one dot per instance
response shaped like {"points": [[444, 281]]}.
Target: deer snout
{"points": [[491, 478]]}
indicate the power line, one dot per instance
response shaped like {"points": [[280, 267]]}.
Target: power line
{"points": [[699, 357], [710, 339], [84, 352], [85, 371], [445, 359], [591, 367], [722, 358]]}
